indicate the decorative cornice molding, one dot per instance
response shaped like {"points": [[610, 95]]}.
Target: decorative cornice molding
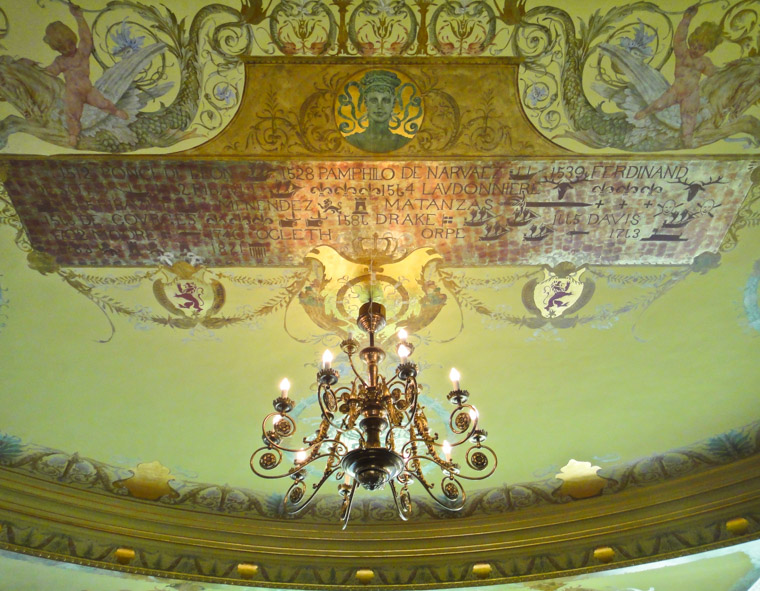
{"points": [[95, 476], [671, 518]]}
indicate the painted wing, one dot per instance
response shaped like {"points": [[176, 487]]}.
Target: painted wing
{"points": [[645, 85], [733, 88], [116, 84]]}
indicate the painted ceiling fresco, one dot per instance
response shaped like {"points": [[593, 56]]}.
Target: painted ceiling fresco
{"points": [[560, 199]]}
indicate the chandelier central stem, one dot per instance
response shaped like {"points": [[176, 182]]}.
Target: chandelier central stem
{"points": [[372, 319]]}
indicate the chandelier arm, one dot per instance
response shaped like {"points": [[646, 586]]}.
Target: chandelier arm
{"points": [[413, 410], [335, 451], [402, 513], [423, 436], [353, 368], [456, 443], [449, 505], [326, 414], [395, 380], [471, 425], [409, 412], [423, 431], [268, 435], [435, 459], [473, 465], [277, 462], [348, 503], [300, 506]]}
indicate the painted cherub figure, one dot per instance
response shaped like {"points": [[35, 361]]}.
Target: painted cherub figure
{"points": [[691, 64], [74, 64]]}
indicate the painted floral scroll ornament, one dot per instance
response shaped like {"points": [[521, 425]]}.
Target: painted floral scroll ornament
{"points": [[335, 286]]}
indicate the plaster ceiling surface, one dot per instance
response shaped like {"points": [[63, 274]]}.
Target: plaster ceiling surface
{"points": [[592, 273]]}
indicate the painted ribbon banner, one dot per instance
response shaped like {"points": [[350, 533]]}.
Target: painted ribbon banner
{"points": [[233, 213]]}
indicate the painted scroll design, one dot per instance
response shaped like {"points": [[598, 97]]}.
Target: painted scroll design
{"points": [[556, 297], [86, 473], [746, 217], [379, 27], [312, 129], [192, 294], [626, 48], [149, 57], [8, 215], [415, 283], [390, 28]]}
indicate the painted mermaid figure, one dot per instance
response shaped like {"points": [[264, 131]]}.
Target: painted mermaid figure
{"points": [[74, 64]]}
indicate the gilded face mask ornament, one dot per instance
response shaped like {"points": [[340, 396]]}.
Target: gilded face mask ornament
{"points": [[379, 113]]}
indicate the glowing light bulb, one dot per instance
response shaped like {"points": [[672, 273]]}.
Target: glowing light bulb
{"points": [[301, 456], [447, 450], [284, 387], [473, 413], [276, 419], [347, 479], [454, 377], [327, 358], [402, 334], [403, 352]]}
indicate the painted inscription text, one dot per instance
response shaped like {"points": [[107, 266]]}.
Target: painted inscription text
{"points": [[474, 213]]}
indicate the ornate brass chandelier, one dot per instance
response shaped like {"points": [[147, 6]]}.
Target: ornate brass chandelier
{"points": [[373, 432]]}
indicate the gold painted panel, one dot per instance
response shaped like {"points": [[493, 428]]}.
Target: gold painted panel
{"points": [[440, 107]]}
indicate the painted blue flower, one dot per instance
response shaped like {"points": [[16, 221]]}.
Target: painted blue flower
{"points": [[538, 92], [124, 42], [387, 7], [301, 7], [640, 42], [225, 93], [461, 7], [10, 445]]}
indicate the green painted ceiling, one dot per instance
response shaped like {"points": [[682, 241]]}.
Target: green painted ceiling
{"points": [[661, 357]]}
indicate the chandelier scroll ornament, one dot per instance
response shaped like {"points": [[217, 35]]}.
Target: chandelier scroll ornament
{"points": [[387, 420]]}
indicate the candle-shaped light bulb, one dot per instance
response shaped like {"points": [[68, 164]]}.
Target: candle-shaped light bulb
{"points": [[347, 479], [284, 387], [454, 377], [447, 450], [301, 456], [473, 413], [403, 353], [402, 334], [276, 419], [327, 358]]}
